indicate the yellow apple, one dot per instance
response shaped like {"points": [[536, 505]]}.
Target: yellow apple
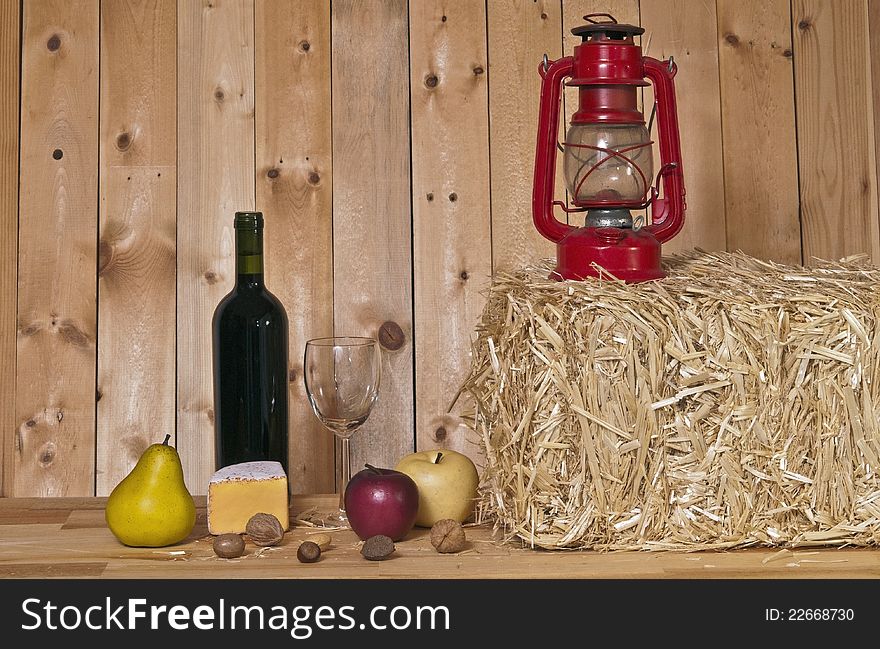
{"points": [[447, 483]]}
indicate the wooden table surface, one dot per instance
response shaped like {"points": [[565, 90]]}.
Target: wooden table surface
{"points": [[67, 537]]}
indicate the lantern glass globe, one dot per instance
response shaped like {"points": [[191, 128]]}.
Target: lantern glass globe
{"points": [[608, 164]]}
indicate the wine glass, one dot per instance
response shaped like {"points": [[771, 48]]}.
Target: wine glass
{"points": [[341, 376]]}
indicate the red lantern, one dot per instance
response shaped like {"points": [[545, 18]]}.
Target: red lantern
{"points": [[607, 156]]}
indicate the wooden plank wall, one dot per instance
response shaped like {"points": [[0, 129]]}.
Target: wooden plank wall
{"points": [[54, 438], [10, 62], [138, 232], [390, 145]]}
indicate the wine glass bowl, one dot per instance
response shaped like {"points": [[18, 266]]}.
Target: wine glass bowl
{"points": [[341, 376]]}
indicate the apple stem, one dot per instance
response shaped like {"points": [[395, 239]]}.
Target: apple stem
{"points": [[167, 437], [372, 468], [437, 460]]}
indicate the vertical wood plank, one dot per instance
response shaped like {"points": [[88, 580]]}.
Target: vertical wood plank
{"points": [[371, 209], [10, 52], [874, 109], [687, 30], [294, 191], [835, 128], [55, 402], [215, 162], [452, 244], [520, 32], [136, 262], [760, 144]]}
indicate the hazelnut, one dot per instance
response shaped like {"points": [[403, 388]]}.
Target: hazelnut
{"points": [[264, 529], [308, 552], [377, 547], [321, 540], [447, 536], [229, 546]]}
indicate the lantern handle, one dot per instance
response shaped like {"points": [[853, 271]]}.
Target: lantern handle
{"points": [[611, 19], [552, 74], [667, 212]]}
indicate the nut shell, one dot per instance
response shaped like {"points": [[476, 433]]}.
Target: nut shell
{"points": [[447, 536], [264, 530], [377, 547], [308, 552], [229, 546], [321, 540]]}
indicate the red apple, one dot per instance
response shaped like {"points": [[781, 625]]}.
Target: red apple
{"points": [[381, 501]]}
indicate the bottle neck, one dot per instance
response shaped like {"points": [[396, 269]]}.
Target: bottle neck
{"points": [[249, 257]]}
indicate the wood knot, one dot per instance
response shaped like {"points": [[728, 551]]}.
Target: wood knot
{"points": [[443, 18], [478, 70], [30, 423], [305, 46], [292, 374], [134, 445], [123, 141], [431, 81], [430, 196], [787, 53], [272, 173], [28, 329], [210, 413], [391, 336], [464, 275], [46, 454], [440, 434], [219, 95], [314, 178], [72, 334], [805, 24], [732, 39], [57, 154], [543, 16], [453, 197], [211, 277], [54, 43], [98, 395]]}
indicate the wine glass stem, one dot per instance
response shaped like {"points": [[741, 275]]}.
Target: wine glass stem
{"points": [[346, 471]]}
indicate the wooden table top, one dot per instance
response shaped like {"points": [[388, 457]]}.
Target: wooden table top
{"points": [[67, 537]]}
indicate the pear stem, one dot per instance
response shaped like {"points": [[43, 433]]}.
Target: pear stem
{"points": [[167, 437], [437, 460], [373, 469]]}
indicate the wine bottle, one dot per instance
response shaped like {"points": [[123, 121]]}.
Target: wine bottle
{"points": [[250, 359]]}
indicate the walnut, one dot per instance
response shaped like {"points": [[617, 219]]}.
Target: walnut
{"points": [[447, 536], [229, 546], [377, 547], [308, 552], [264, 529]]}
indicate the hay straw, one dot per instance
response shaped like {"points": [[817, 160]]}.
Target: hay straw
{"points": [[734, 403]]}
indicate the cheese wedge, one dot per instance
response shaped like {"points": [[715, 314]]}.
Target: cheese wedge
{"points": [[239, 491]]}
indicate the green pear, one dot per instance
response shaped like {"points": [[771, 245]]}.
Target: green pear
{"points": [[152, 507]]}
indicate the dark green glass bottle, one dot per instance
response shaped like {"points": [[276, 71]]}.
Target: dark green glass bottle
{"points": [[250, 359]]}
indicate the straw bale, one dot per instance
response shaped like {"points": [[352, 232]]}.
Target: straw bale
{"points": [[733, 403]]}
